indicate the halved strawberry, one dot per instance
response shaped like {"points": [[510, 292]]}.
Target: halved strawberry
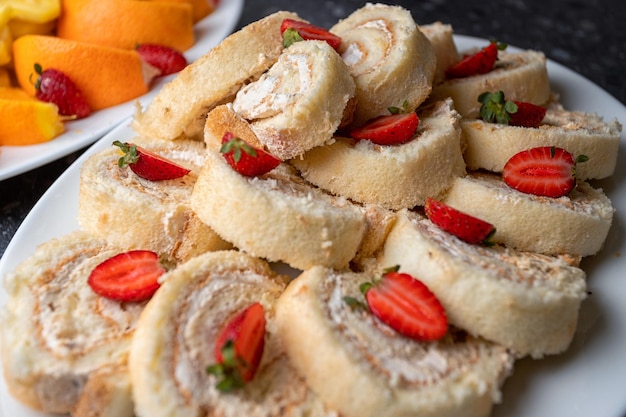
{"points": [[496, 109], [480, 62], [295, 30], [544, 171], [147, 164], [406, 305], [393, 129], [239, 348], [245, 158], [165, 59], [462, 225], [129, 276]]}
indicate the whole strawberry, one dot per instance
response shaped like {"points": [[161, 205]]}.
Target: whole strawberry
{"points": [[54, 86], [165, 59]]}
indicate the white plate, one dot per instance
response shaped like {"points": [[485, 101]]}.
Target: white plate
{"points": [[15, 160], [588, 380]]}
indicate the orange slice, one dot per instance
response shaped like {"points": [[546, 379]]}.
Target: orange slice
{"points": [[106, 76], [201, 8], [126, 23], [25, 120], [5, 78]]}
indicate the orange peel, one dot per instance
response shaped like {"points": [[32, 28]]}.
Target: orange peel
{"points": [[106, 76]]}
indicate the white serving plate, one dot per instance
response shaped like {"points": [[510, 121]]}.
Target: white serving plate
{"points": [[15, 160], [588, 380]]}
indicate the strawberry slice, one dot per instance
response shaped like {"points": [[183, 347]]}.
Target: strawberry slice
{"points": [[148, 165], [480, 62], [462, 225], [393, 129], [496, 109], [54, 86], [544, 171], [239, 348], [245, 158], [295, 30], [406, 305], [129, 276], [165, 59]]}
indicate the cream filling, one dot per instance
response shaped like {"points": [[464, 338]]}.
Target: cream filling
{"points": [[367, 46], [282, 86], [73, 319]]}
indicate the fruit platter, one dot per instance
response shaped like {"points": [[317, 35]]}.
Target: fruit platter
{"points": [[73, 133]]}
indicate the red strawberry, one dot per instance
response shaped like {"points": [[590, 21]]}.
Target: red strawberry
{"points": [[239, 348], [495, 109], [527, 114], [165, 59], [392, 129], [543, 171], [54, 86], [245, 158], [147, 164], [480, 62], [462, 225], [406, 305], [306, 31], [129, 276]]}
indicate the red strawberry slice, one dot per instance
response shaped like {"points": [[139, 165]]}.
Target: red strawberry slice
{"points": [[307, 31], [406, 305], [543, 171], [527, 114], [239, 348], [148, 165], [165, 59], [129, 276], [54, 86], [462, 225], [393, 129], [480, 62], [245, 158]]}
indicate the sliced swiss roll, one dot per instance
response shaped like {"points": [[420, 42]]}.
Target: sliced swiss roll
{"points": [[59, 336], [134, 211], [277, 215], [300, 101], [214, 300], [441, 38], [179, 109], [394, 176], [362, 367], [576, 224], [525, 301], [490, 145], [520, 75], [389, 57]]}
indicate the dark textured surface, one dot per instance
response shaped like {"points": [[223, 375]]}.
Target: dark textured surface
{"points": [[586, 36]]}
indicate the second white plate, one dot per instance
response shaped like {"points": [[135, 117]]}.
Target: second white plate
{"points": [[15, 160]]}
